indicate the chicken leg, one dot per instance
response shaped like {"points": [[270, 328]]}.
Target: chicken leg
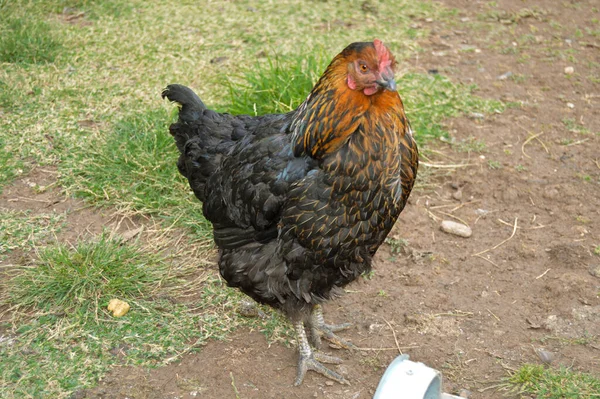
{"points": [[319, 329], [310, 359]]}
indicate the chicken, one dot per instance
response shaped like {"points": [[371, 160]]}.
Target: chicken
{"points": [[300, 202]]}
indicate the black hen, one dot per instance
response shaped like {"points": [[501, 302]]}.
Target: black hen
{"points": [[301, 201]]}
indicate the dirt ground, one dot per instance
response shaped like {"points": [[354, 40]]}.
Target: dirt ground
{"points": [[474, 308]]}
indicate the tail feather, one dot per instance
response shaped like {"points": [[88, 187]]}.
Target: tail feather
{"points": [[191, 105], [201, 136]]}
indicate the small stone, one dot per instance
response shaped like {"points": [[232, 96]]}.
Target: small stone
{"points": [[218, 60], [457, 195], [505, 76], [476, 115], [550, 192], [481, 212], [329, 383], [250, 309], [455, 185], [569, 70], [458, 229], [595, 270], [545, 356], [571, 105]]}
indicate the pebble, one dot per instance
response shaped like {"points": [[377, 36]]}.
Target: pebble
{"points": [[505, 76], [457, 195], [250, 309], [329, 383], [569, 70], [571, 105], [595, 270], [545, 356], [482, 212], [458, 229], [550, 192]]}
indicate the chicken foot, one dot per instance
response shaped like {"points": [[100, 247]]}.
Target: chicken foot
{"points": [[319, 329], [310, 359]]}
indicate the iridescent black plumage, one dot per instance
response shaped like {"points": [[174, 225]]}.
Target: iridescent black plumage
{"points": [[301, 201]]}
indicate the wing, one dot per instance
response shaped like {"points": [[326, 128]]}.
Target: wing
{"points": [[245, 193]]}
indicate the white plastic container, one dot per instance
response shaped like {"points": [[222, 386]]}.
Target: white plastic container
{"points": [[404, 379]]}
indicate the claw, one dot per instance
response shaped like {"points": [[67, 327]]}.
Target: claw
{"points": [[309, 359], [312, 362], [319, 329]]}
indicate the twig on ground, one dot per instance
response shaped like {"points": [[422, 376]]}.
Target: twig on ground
{"points": [[541, 226], [454, 217], [503, 242], [446, 166], [237, 393], [487, 260], [543, 274], [394, 333], [577, 142], [183, 352], [492, 313], [435, 218], [457, 313], [386, 349]]}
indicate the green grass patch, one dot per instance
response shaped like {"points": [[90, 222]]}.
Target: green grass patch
{"points": [[86, 277], [135, 169], [22, 230], [550, 383], [25, 39], [10, 165], [63, 339], [281, 84]]}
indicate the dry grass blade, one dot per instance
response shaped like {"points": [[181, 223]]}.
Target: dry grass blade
{"points": [[535, 136], [394, 333], [447, 166], [543, 274], [503, 242]]}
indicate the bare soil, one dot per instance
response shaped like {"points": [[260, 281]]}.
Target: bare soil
{"points": [[474, 308]]}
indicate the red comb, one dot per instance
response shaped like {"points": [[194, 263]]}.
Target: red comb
{"points": [[382, 53]]}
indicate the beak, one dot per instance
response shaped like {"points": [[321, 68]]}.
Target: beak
{"points": [[387, 80]]}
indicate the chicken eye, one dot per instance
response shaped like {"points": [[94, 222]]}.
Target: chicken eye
{"points": [[363, 68]]}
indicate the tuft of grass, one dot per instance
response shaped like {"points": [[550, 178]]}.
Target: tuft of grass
{"points": [[552, 383], [61, 338], [277, 86], [84, 278], [574, 127], [134, 169], [282, 84], [26, 39], [10, 165], [471, 144]]}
